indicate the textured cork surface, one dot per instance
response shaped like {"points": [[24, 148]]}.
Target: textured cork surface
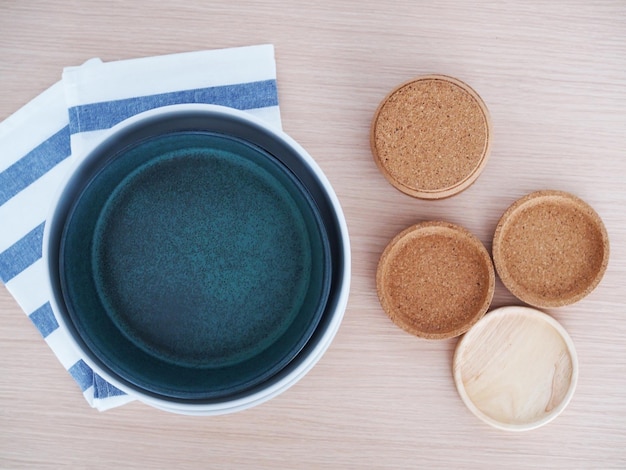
{"points": [[550, 249], [435, 280], [431, 137]]}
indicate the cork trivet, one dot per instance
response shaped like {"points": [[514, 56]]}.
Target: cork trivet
{"points": [[431, 137], [435, 280], [516, 369], [550, 249]]}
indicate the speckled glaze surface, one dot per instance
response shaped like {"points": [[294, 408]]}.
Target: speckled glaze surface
{"points": [[203, 252]]}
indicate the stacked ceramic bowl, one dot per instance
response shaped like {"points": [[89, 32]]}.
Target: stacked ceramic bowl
{"points": [[199, 259]]}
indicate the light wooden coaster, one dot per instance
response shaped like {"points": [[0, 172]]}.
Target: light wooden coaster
{"points": [[550, 249], [431, 137], [516, 369], [435, 280]]}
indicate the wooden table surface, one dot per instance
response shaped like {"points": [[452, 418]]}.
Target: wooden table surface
{"points": [[553, 75]]}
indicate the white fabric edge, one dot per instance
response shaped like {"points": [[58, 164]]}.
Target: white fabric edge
{"points": [[133, 78], [21, 287], [35, 122], [30, 207]]}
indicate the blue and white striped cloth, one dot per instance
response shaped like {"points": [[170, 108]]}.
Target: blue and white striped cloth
{"points": [[38, 142]]}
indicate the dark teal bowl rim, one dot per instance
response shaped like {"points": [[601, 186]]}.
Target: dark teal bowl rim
{"points": [[275, 147]]}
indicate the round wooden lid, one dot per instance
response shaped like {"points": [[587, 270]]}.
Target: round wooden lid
{"points": [[431, 137], [516, 369], [550, 249], [435, 280]]}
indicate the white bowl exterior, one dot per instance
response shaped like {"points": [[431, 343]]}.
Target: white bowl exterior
{"points": [[276, 388]]}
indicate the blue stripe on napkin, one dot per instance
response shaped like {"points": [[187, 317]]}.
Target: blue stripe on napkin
{"points": [[85, 378], [97, 116], [82, 373], [21, 254], [103, 389], [34, 164], [44, 319]]}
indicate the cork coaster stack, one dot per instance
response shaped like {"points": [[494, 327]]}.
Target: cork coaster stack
{"points": [[431, 137], [515, 367]]}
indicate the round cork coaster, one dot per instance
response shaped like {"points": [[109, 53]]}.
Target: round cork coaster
{"points": [[550, 249], [516, 369], [431, 137], [435, 280]]}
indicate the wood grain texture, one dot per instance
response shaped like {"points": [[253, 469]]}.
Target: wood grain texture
{"points": [[553, 75], [516, 369]]}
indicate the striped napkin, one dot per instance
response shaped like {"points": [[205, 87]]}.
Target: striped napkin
{"points": [[42, 141]]}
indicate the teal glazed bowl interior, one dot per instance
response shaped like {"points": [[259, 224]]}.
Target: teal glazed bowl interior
{"points": [[195, 258]]}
